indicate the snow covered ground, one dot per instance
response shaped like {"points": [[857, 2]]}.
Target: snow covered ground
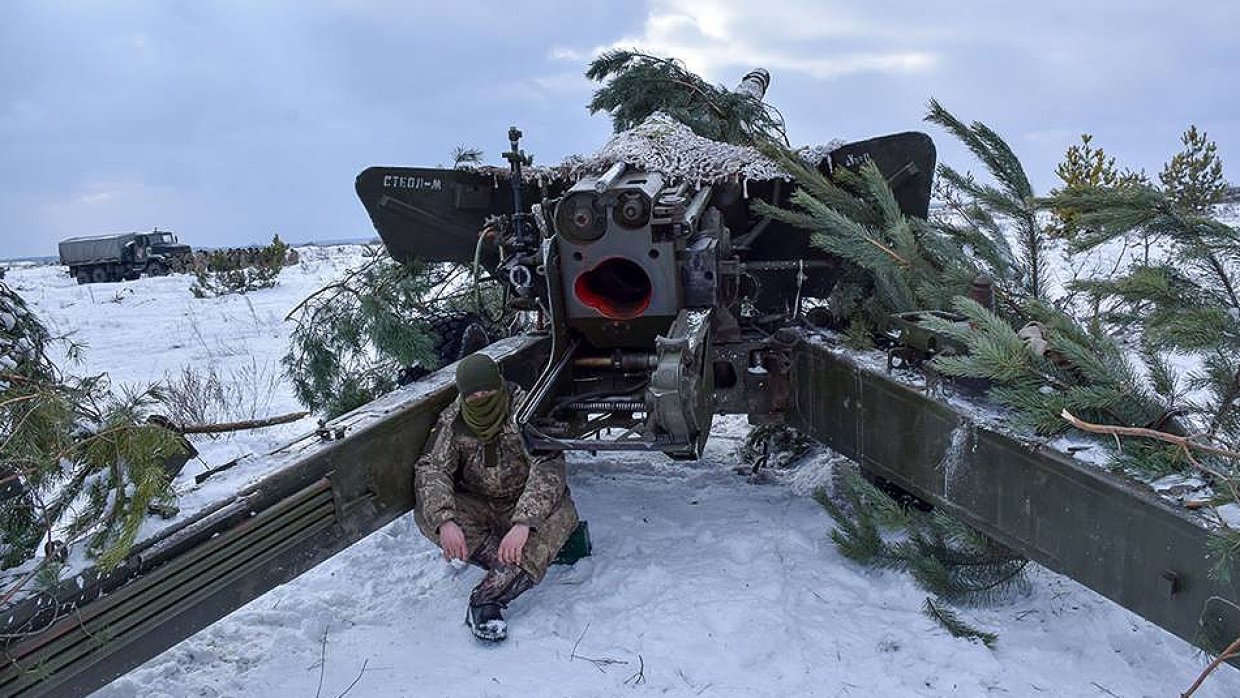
{"points": [[144, 331], [703, 581]]}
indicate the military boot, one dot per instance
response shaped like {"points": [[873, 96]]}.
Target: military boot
{"points": [[486, 622], [497, 589]]}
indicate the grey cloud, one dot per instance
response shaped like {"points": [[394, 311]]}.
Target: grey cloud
{"points": [[1133, 73], [231, 120]]}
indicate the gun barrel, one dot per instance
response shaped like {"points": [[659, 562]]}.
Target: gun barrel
{"points": [[697, 206], [610, 177], [754, 83]]}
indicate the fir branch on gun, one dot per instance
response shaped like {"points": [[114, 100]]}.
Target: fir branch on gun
{"points": [[1013, 200], [943, 554], [987, 146], [636, 85]]}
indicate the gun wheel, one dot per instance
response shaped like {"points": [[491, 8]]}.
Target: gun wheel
{"points": [[457, 335]]}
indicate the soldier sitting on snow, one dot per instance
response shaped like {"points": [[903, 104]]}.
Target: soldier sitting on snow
{"points": [[482, 498]]}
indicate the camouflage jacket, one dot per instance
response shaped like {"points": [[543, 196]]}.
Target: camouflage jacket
{"points": [[457, 462]]}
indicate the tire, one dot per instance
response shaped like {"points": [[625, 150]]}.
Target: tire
{"points": [[99, 275], [81, 276], [456, 335], [156, 269]]}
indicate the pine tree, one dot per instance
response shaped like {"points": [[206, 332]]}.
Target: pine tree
{"points": [[1083, 167], [79, 462], [636, 85], [1193, 178]]}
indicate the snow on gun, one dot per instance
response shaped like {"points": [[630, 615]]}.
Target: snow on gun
{"points": [[123, 256], [669, 299]]}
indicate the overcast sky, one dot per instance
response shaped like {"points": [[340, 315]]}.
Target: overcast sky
{"points": [[230, 121]]}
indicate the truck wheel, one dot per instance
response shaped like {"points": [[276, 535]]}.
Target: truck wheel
{"points": [[81, 276], [99, 275], [156, 269]]}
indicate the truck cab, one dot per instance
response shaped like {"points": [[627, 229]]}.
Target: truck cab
{"points": [[163, 251]]}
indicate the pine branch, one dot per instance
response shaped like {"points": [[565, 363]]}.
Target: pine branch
{"points": [[351, 340], [943, 555], [954, 625], [1231, 652], [1185, 442], [59, 434], [900, 263], [241, 425], [637, 85], [1013, 200], [341, 285]]}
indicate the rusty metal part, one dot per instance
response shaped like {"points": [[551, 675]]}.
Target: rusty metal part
{"points": [[983, 291], [621, 360]]}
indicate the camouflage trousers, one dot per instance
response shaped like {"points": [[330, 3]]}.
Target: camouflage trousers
{"points": [[481, 519]]}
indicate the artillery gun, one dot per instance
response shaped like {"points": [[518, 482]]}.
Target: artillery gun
{"points": [[662, 299], [667, 298]]}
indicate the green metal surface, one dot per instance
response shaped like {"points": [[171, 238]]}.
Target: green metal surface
{"points": [[434, 214], [913, 333], [1101, 529], [152, 601], [320, 497]]}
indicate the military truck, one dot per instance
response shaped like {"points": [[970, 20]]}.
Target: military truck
{"points": [[125, 256]]}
